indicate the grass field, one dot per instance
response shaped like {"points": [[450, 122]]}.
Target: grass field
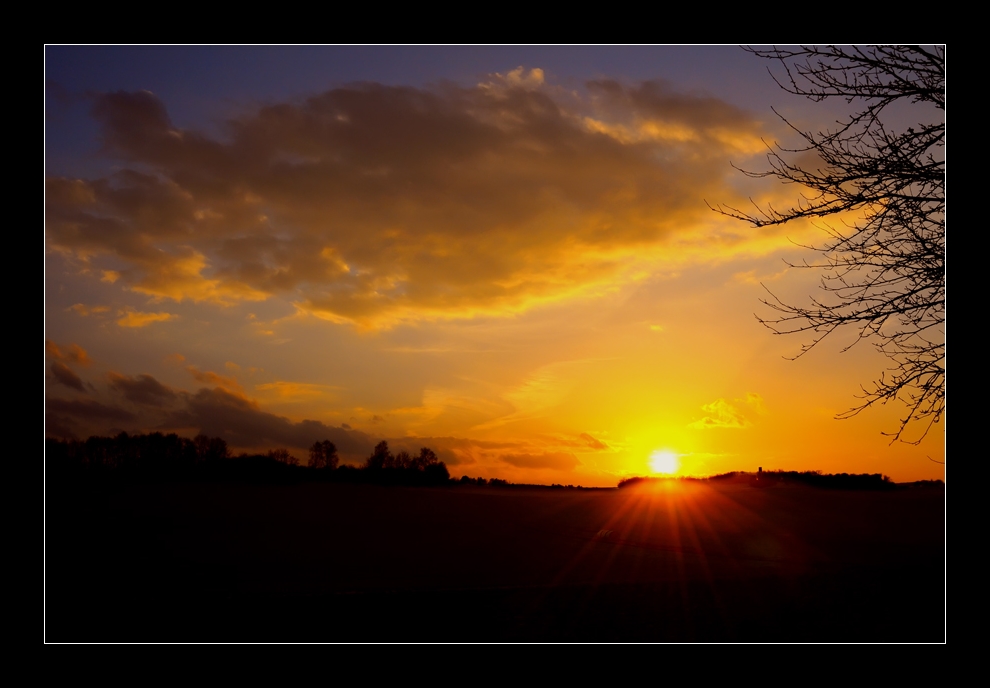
{"points": [[341, 562]]}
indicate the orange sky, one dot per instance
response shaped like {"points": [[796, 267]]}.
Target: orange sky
{"points": [[519, 274]]}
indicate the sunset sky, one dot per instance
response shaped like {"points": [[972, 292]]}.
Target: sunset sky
{"points": [[504, 254]]}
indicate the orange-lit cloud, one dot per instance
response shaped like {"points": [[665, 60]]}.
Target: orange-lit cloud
{"points": [[372, 204], [722, 414], [293, 391], [208, 377], [592, 442], [132, 318], [751, 277], [518, 78], [73, 353], [84, 310], [539, 393], [756, 402], [180, 276]]}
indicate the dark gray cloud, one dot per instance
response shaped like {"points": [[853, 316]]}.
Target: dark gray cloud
{"points": [[220, 413], [59, 427], [64, 375], [87, 410], [143, 389]]}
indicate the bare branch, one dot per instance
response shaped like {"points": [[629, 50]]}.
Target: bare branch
{"points": [[883, 275]]}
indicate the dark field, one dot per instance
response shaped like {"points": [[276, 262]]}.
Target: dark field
{"points": [[344, 562]]}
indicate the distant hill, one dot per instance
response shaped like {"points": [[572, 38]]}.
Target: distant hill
{"points": [[832, 481]]}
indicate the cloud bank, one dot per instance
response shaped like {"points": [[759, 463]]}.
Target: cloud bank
{"points": [[373, 204]]}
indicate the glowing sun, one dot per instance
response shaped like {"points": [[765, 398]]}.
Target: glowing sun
{"points": [[664, 461]]}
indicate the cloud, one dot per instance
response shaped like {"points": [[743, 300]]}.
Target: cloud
{"points": [[756, 402], [131, 318], [59, 427], [217, 412], [87, 409], [293, 391], [64, 375], [179, 276], [84, 310], [723, 415], [592, 442], [372, 204], [520, 77], [245, 425], [751, 276], [655, 111], [74, 353], [208, 377], [554, 460], [239, 420], [541, 391], [143, 389]]}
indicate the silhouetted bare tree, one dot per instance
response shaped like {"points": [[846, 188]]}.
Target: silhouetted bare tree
{"points": [[324, 455], [283, 456], [427, 457], [403, 461], [211, 448], [883, 273], [381, 459]]}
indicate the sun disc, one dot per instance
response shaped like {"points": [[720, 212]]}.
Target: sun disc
{"points": [[664, 461]]}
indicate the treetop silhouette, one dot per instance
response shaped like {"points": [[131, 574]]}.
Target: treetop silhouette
{"points": [[324, 455]]}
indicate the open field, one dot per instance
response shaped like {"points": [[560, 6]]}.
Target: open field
{"points": [[343, 562]]}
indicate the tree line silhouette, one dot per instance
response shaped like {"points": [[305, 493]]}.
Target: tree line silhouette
{"points": [[402, 469], [160, 457], [833, 481]]}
